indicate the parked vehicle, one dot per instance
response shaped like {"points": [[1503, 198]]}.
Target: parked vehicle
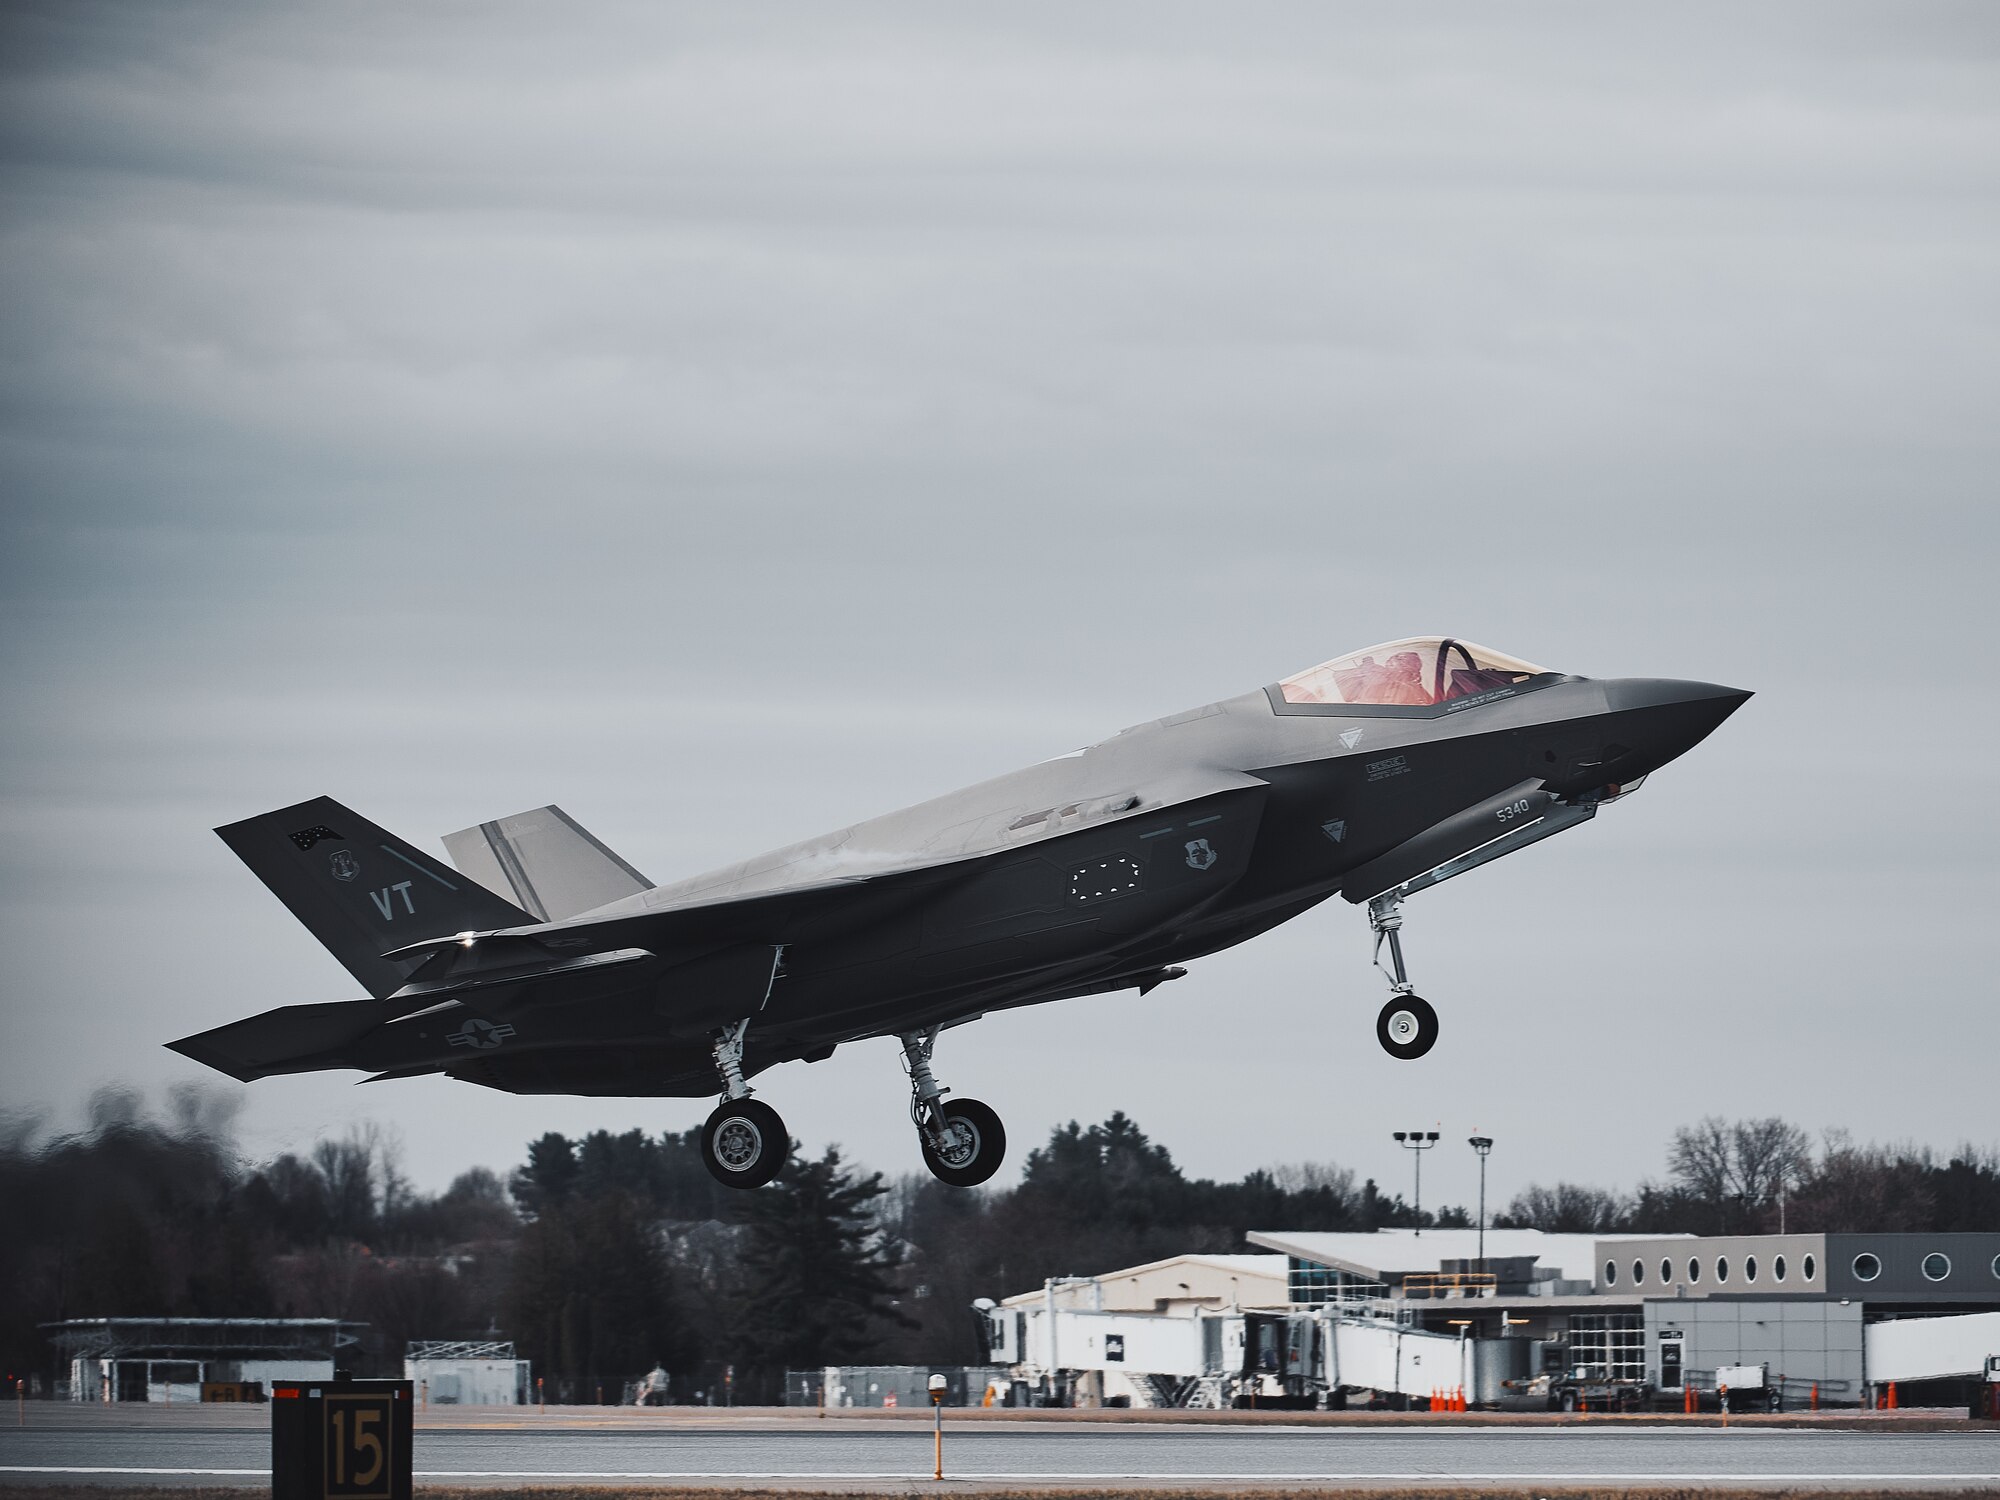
{"points": [[1748, 1388], [1561, 1386]]}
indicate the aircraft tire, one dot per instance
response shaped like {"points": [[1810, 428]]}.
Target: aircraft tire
{"points": [[744, 1143], [1407, 1027], [972, 1160]]}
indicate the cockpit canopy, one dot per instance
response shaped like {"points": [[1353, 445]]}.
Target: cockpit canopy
{"points": [[1422, 672]]}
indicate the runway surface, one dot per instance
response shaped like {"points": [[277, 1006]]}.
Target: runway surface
{"points": [[100, 1445]]}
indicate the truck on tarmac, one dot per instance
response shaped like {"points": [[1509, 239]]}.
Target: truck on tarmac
{"points": [[1748, 1388], [1558, 1385]]}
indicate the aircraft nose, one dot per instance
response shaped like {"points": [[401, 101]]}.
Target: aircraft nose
{"points": [[1628, 693], [1670, 716]]}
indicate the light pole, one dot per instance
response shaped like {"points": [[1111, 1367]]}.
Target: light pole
{"points": [[1482, 1144], [1418, 1141]]}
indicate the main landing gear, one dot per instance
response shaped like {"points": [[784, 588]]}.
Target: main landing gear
{"points": [[963, 1142], [1407, 1026], [744, 1143]]}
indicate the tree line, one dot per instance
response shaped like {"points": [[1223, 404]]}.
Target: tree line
{"points": [[608, 1255]]}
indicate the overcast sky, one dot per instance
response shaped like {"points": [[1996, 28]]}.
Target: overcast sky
{"points": [[731, 422]]}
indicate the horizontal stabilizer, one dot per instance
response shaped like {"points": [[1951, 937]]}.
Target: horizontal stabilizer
{"points": [[546, 861], [290, 1039]]}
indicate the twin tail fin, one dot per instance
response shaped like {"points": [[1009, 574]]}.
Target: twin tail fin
{"points": [[361, 890]]}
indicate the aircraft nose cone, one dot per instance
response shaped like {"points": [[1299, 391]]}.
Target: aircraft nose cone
{"points": [[1670, 717], [1628, 693]]}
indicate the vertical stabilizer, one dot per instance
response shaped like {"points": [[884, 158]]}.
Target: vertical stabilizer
{"points": [[545, 860], [362, 891]]}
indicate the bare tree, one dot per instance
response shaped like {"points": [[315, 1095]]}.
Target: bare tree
{"points": [[1567, 1208], [361, 1180], [1316, 1176], [1767, 1155], [1736, 1170], [1856, 1189], [1699, 1160]]}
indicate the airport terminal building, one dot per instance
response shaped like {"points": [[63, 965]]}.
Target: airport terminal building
{"points": [[1651, 1307], [1830, 1318]]}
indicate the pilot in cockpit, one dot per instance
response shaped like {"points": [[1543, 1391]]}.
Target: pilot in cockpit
{"points": [[1400, 679]]}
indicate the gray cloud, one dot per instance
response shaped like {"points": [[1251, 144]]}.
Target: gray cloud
{"points": [[731, 424]]}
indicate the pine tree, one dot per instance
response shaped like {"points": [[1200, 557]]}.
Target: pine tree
{"points": [[818, 1277]]}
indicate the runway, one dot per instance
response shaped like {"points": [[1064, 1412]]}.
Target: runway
{"points": [[195, 1447]]}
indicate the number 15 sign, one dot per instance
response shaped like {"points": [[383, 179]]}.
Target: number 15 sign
{"points": [[340, 1440]]}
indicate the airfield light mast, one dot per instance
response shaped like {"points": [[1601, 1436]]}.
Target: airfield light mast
{"points": [[1483, 1144], [1418, 1141]]}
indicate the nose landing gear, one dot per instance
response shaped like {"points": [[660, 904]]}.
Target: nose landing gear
{"points": [[963, 1141], [1407, 1027], [744, 1142]]}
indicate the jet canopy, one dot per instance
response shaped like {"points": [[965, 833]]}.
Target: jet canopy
{"points": [[1422, 672]]}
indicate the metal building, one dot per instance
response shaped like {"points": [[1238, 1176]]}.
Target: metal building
{"points": [[466, 1373], [170, 1359]]}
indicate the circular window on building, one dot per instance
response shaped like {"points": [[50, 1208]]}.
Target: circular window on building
{"points": [[1638, 1273], [1667, 1270], [1611, 1273], [1809, 1268], [1749, 1268], [1721, 1268], [1694, 1269], [1936, 1267], [1866, 1267], [1777, 1268]]}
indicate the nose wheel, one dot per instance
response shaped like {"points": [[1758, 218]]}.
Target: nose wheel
{"points": [[963, 1141], [1407, 1026]]}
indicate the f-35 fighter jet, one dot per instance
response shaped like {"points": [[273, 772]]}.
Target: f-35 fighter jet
{"points": [[545, 964]]}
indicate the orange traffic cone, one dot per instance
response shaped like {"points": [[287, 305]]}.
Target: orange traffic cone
{"points": [[1815, 1396], [1892, 1395], [1461, 1398]]}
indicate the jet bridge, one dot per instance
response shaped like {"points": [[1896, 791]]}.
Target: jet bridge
{"points": [[1930, 1348], [1212, 1357]]}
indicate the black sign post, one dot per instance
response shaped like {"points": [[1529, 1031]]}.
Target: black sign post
{"points": [[340, 1439]]}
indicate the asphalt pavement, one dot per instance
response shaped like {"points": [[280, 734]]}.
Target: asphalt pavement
{"points": [[209, 1447]]}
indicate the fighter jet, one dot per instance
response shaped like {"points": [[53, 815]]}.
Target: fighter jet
{"points": [[542, 963]]}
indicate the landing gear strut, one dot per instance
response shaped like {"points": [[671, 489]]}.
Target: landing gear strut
{"points": [[963, 1142], [1407, 1026], [744, 1143]]}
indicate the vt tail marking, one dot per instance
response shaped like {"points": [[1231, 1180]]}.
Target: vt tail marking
{"points": [[384, 900]]}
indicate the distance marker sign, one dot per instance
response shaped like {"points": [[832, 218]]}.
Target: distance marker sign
{"points": [[340, 1440]]}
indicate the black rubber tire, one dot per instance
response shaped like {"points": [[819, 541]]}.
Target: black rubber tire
{"points": [[983, 1153], [1407, 1027], [744, 1144]]}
